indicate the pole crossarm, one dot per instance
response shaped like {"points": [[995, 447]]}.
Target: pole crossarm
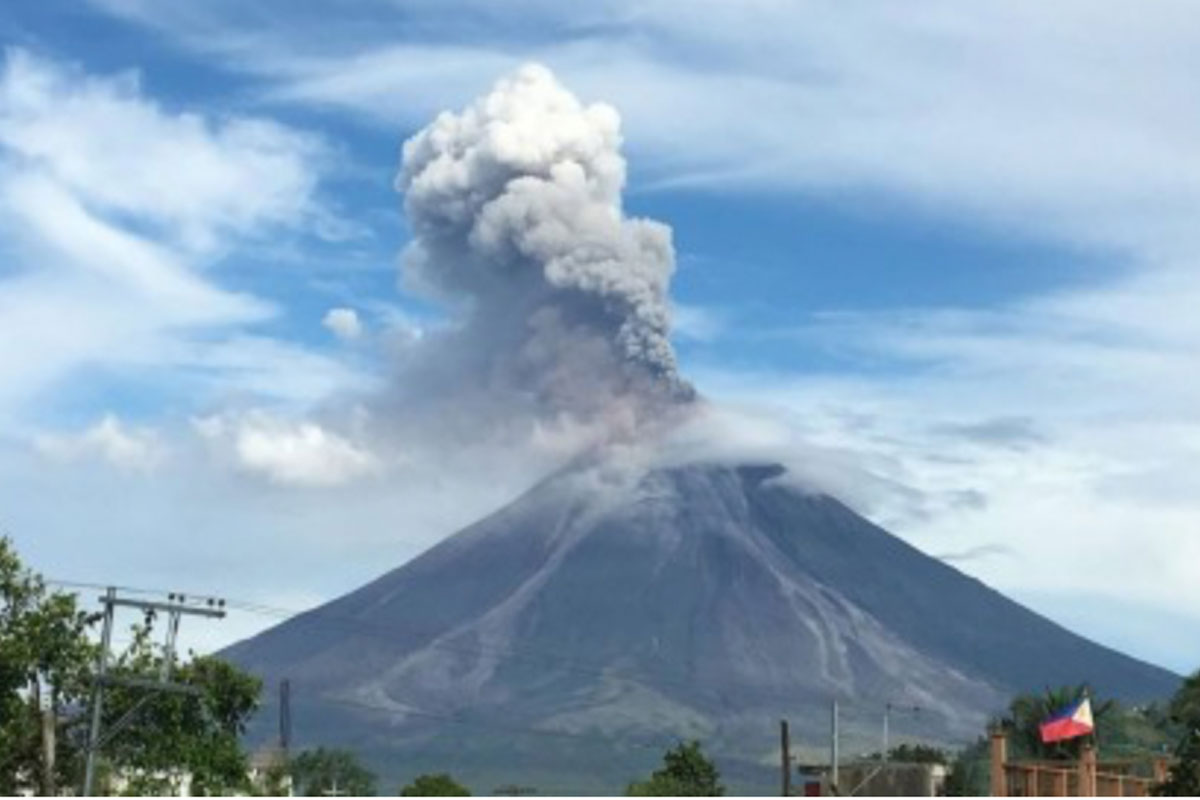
{"points": [[215, 611], [151, 685]]}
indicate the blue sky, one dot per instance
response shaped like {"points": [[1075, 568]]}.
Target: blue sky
{"points": [[952, 246]]}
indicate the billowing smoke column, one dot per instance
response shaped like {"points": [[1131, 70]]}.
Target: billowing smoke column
{"points": [[515, 209]]}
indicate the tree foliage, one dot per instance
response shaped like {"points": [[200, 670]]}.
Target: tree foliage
{"points": [[1184, 777], [907, 753], [686, 772], [175, 734], [436, 785], [45, 657], [970, 771], [320, 771]]}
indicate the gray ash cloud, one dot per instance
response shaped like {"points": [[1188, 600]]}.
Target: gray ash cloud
{"points": [[560, 298]]}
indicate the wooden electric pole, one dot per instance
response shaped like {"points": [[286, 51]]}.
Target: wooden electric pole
{"points": [[49, 749], [285, 717], [785, 759], [834, 742]]}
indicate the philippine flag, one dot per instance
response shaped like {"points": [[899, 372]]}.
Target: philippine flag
{"points": [[1074, 720]]}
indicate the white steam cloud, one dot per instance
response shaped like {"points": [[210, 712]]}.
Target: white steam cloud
{"points": [[515, 206], [343, 323]]}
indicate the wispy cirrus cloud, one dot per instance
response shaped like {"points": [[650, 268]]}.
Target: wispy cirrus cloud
{"points": [[116, 214], [193, 178], [992, 113]]}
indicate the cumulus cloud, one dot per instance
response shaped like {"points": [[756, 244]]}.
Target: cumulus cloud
{"points": [[515, 207], [109, 440], [343, 323], [287, 452]]}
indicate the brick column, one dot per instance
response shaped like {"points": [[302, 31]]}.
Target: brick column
{"points": [[1087, 772], [1161, 768], [999, 751]]}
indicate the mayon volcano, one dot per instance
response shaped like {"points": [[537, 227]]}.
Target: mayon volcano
{"points": [[564, 640], [632, 598]]}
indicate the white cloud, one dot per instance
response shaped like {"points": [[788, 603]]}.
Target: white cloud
{"points": [[194, 177], [1101, 500], [994, 111], [698, 323], [114, 215], [110, 440], [286, 452], [238, 535], [48, 219], [343, 323]]}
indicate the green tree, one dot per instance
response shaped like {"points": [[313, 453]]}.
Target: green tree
{"points": [[970, 771], [914, 754], [315, 772], [686, 772], [1184, 777], [171, 734], [436, 785], [273, 781], [45, 658], [513, 790]]}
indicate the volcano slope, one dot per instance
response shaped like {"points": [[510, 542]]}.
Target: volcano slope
{"points": [[565, 640]]}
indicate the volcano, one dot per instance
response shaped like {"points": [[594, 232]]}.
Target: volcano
{"points": [[564, 641]]}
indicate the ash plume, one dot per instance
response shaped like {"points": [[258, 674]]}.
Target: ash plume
{"points": [[561, 299]]}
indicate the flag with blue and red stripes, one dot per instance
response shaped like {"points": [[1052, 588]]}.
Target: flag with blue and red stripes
{"points": [[1074, 720]]}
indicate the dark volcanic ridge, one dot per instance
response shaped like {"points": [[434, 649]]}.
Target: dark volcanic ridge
{"points": [[606, 612]]}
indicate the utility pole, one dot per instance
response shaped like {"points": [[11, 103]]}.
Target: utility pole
{"points": [[89, 779], [785, 757], [176, 606], [49, 729], [833, 746], [285, 716], [333, 791], [887, 712]]}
